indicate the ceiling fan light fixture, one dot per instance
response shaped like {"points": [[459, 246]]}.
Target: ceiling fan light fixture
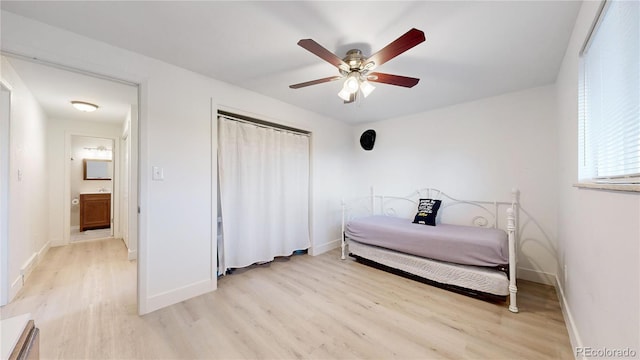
{"points": [[344, 94], [352, 83], [84, 106], [366, 88]]}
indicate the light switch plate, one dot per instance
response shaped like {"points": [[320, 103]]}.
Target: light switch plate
{"points": [[158, 173]]}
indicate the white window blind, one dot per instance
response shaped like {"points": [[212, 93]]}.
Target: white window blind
{"points": [[609, 96]]}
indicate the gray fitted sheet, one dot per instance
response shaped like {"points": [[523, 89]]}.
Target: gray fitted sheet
{"points": [[466, 245]]}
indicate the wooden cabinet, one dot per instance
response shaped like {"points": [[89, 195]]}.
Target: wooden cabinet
{"points": [[95, 211]]}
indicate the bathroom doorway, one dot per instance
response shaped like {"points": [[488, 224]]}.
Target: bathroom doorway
{"points": [[92, 185]]}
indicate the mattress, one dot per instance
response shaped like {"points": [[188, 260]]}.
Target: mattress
{"points": [[485, 280], [466, 245]]}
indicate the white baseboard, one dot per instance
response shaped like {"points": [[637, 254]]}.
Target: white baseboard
{"points": [[27, 268], [323, 248], [38, 258], [574, 336], [536, 276], [55, 242], [132, 254], [43, 251], [16, 286], [175, 296]]}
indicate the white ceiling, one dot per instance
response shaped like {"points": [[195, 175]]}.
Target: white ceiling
{"points": [[54, 89], [474, 49]]}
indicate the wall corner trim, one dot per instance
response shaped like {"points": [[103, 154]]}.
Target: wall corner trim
{"points": [[572, 329], [323, 248], [171, 297], [132, 254], [537, 276]]}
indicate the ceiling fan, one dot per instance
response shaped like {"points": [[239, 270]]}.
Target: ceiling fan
{"points": [[356, 68]]}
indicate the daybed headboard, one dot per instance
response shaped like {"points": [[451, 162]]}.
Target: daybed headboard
{"points": [[452, 211]]}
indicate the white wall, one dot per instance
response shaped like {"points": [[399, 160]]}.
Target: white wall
{"points": [[599, 231], [59, 134], [177, 234], [28, 216], [478, 150]]}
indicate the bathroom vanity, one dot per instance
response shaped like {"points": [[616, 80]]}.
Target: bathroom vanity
{"points": [[95, 211]]}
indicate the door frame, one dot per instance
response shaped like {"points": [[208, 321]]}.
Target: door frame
{"points": [[137, 192], [5, 128], [128, 142], [115, 189]]}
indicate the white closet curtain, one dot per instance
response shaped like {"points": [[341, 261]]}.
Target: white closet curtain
{"points": [[264, 193]]}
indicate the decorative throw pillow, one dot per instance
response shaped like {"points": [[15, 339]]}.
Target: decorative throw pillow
{"points": [[427, 212]]}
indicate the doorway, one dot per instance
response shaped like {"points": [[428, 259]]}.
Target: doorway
{"points": [[54, 88], [92, 180]]}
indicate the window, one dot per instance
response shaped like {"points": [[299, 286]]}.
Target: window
{"points": [[609, 96]]}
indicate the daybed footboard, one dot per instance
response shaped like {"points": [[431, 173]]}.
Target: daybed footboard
{"points": [[488, 219]]}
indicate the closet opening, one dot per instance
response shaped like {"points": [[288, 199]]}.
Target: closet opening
{"points": [[263, 191]]}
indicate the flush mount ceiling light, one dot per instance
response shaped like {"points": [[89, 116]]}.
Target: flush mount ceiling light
{"points": [[84, 106], [356, 68]]}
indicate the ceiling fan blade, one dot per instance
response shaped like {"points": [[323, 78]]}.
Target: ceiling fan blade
{"points": [[393, 79], [323, 53], [314, 82], [405, 42]]}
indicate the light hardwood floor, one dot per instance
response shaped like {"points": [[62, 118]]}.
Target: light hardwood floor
{"points": [[82, 297]]}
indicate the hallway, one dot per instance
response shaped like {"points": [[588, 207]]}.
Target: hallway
{"points": [[82, 297]]}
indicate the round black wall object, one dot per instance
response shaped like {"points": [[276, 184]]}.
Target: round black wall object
{"points": [[367, 139]]}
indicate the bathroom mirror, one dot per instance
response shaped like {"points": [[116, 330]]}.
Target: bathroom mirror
{"points": [[97, 169]]}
